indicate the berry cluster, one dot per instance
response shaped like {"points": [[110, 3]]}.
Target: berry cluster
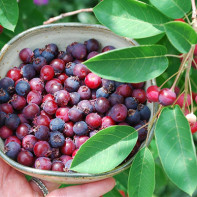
{"points": [[51, 104], [167, 97]]}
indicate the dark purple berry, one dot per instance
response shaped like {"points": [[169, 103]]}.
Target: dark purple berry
{"points": [[4, 96], [116, 99], [144, 112], [92, 54], [38, 63], [12, 149], [85, 106], [131, 103], [108, 85], [102, 105], [80, 128], [57, 124], [18, 102], [56, 139], [92, 45], [74, 98], [22, 88], [85, 92], [71, 84], [7, 84], [118, 112], [133, 117], [65, 57], [101, 92], [75, 114], [28, 71], [69, 68], [108, 48], [41, 132], [79, 51], [12, 121], [142, 132], [37, 52], [2, 118]]}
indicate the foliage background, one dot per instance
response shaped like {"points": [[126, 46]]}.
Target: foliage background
{"points": [[31, 15]]}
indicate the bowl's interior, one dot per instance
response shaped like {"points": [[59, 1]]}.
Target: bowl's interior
{"points": [[62, 35]]}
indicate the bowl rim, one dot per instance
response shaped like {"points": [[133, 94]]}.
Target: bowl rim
{"points": [[31, 170]]}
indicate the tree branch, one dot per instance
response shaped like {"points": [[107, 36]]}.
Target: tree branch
{"points": [[56, 18]]}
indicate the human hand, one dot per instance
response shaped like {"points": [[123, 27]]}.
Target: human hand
{"points": [[14, 183]]}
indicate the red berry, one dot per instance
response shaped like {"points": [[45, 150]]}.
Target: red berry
{"points": [[180, 100], [107, 121], [79, 140], [58, 66], [138, 85], [68, 147], [48, 97], [166, 97], [14, 73], [26, 158], [47, 73], [194, 128], [124, 90], [152, 94], [177, 90], [62, 113], [180, 20], [7, 108], [74, 153], [12, 139], [140, 95], [62, 77], [1, 29], [34, 97], [42, 120], [36, 84], [50, 107], [5, 132], [93, 120], [42, 149], [196, 99], [43, 163], [92, 81]]}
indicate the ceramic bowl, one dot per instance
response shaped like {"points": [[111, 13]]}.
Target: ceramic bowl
{"points": [[62, 34]]}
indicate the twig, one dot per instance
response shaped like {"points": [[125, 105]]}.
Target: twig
{"points": [[190, 89], [185, 57], [56, 18], [187, 75], [193, 9], [171, 55]]}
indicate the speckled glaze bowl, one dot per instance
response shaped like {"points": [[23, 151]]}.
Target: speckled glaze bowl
{"points": [[62, 34]]}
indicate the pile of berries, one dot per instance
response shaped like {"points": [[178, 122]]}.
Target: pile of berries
{"points": [[167, 97], [51, 104]]}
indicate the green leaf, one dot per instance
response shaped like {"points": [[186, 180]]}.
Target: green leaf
{"points": [[122, 178], [105, 150], [113, 193], [172, 8], [181, 35], [134, 64], [9, 14], [176, 148], [130, 18], [150, 40], [142, 175]]}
